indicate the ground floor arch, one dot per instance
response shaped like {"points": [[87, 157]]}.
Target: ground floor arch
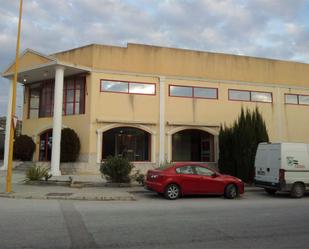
{"points": [[192, 145], [129, 142]]}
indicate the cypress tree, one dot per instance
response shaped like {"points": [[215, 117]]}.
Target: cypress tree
{"points": [[239, 142]]}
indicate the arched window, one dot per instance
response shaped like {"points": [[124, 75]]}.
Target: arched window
{"points": [[192, 146], [128, 142], [46, 142]]}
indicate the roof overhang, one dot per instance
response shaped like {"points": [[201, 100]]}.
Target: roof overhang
{"points": [[40, 68]]}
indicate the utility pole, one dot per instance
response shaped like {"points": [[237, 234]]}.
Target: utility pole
{"points": [[10, 159]]}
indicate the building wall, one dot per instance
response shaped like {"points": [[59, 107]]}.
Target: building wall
{"points": [[141, 63]]}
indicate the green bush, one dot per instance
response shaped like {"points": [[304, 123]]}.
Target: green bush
{"points": [[70, 145], [139, 177], [116, 169], [36, 173], [24, 148], [238, 144]]}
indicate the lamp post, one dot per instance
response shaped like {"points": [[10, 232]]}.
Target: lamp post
{"points": [[10, 159]]}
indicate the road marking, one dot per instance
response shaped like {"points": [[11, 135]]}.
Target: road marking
{"points": [[80, 237]]}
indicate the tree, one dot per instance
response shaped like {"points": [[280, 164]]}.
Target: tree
{"points": [[239, 142], [24, 148], [70, 145]]}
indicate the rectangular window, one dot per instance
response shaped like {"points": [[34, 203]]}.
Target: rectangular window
{"points": [[193, 92], [128, 87], [181, 91], [142, 88], [296, 99], [74, 96], [243, 95], [303, 99], [239, 95], [114, 86], [206, 93], [41, 98], [291, 99], [261, 97], [34, 102]]}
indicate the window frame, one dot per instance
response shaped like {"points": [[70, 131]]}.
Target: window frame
{"points": [[297, 95], [82, 105], [51, 105], [192, 92], [250, 96], [128, 90], [29, 101]]}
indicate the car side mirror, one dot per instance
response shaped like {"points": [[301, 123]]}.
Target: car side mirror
{"points": [[214, 175]]}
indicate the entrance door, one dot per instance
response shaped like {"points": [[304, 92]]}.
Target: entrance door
{"points": [[46, 142]]}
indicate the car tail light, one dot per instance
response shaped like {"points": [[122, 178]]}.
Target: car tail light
{"points": [[281, 174]]}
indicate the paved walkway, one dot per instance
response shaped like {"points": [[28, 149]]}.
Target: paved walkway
{"points": [[82, 187]]}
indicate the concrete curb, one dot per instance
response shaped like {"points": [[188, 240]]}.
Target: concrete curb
{"points": [[76, 198]]}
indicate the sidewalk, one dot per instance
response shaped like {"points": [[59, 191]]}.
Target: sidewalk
{"points": [[95, 189], [83, 187]]}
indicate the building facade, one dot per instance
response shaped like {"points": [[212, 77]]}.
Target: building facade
{"points": [[154, 104]]}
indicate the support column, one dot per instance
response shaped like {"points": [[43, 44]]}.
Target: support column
{"points": [[99, 145], [7, 129], [57, 121], [162, 121]]}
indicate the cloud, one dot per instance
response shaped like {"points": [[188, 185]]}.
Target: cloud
{"points": [[263, 28]]}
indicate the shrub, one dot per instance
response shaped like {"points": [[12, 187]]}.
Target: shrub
{"points": [[24, 148], [238, 144], [35, 173], [70, 145], [117, 169], [139, 177]]}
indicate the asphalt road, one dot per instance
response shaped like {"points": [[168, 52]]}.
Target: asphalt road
{"points": [[253, 221]]}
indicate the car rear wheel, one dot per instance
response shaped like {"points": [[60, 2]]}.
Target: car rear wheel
{"points": [[270, 191], [298, 190], [172, 192], [230, 191]]}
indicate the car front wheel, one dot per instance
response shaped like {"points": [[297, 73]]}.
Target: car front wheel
{"points": [[230, 191], [172, 192]]}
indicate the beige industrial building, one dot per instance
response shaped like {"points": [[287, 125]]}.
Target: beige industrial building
{"points": [[154, 104]]}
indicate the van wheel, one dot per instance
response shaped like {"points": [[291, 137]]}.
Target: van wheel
{"points": [[230, 191], [172, 192], [270, 191], [298, 190]]}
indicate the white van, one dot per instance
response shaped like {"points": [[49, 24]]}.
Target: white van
{"points": [[282, 167]]}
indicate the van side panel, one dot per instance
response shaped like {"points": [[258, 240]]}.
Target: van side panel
{"points": [[295, 158]]}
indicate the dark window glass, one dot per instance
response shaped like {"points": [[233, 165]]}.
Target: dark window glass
{"points": [[128, 142]]}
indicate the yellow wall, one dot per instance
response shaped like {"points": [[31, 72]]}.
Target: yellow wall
{"points": [[181, 62], [141, 63]]}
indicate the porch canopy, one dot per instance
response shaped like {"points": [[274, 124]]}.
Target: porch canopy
{"points": [[35, 67]]}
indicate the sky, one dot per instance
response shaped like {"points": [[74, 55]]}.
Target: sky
{"points": [[277, 29]]}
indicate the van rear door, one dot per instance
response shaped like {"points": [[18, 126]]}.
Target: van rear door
{"points": [[267, 163]]}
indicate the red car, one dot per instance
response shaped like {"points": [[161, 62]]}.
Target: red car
{"points": [[192, 178]]}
